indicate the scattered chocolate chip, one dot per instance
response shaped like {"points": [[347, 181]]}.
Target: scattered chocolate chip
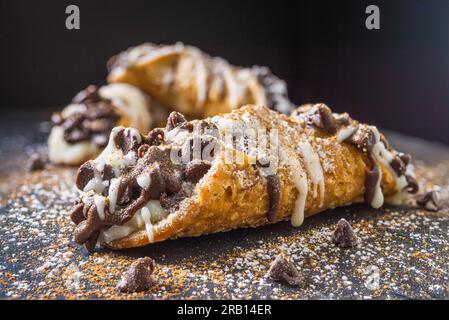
{"points": [[196, 169], [281, 269], [344, 236], [36, 162], [174, 120], [138, 277], [429, 200], [274, 195]]}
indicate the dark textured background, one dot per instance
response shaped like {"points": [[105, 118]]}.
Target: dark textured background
{"points": [[397, 77]]}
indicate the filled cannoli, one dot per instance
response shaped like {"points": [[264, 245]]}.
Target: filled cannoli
{"points": [[81, 130], [247, 168], [187, 80]]}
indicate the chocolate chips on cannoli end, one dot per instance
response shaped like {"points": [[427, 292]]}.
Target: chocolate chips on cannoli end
{"points": [[196, 169], [155, 137], [319, 116], [174, 120], [126, 141], [429, 200], [138, 277], [343, 235], [281, 269], [36, 162]]}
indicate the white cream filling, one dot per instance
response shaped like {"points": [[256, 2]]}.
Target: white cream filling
{"points": [[143, 219], [59, 151]]}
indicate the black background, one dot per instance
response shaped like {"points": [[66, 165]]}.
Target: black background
{"points": [[396, 77]]}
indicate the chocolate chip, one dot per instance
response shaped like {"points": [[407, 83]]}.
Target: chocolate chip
{"points": [[171, 202], [385, 141], [412, 184], [91, 243], [174, 120], [94, 123], [281, 269], [342, 120], [398, 166], [196, 169], [142, 150], [173, 180], [85, 174], [138, 277], [36, 162], [344, 236], [125, 141], [90, 94], [429, 200], [363, 139], [108, 172], [319, 116], [155, 137], [274, 195], [87, 231], [76, 213]]}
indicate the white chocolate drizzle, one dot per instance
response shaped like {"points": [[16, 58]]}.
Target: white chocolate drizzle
{"points": [[314, 169], [345, 132], [300, 181], [100, 204], [112, 194], [144, 181]]}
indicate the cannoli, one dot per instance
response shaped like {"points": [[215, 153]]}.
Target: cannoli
{"points": [[247, 168], [82, 129], [189, 81]]}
